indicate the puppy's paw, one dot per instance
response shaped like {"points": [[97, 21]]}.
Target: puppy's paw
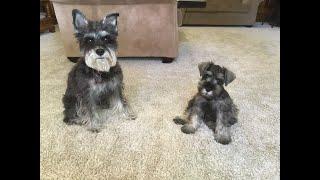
{"points": [[232, 121], [211, 125], [129, 116], [178, 120], [68, 121], [94, 130], [222, 139], [132, 116], [188, 129]]}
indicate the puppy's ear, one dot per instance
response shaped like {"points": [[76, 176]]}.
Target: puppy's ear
{"points": [[203, 67], [228, 76], [111, 22], [79, 20]]}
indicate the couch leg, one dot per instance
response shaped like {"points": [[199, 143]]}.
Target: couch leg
{"points": [[167, 60], [52, 29], [73, 59]]}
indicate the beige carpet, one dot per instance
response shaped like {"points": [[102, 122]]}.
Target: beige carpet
{"points": [[153, 147]]}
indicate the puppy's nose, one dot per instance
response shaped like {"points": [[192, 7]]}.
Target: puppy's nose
{"points": [[100, 52], [208, 88]]}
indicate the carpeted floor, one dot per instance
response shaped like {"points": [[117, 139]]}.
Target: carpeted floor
{"points": [[153, 147]]}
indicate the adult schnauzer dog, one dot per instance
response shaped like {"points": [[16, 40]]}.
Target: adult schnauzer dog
{"points": [[212, 104], [95, 84]]}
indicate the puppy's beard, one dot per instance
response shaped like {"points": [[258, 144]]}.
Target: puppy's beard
{"points": [[111, 57], [212, 93], [206, 93], [101, 63]]}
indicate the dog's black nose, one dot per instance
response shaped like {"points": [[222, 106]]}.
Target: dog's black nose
{"points": [[100, 52], [208, 87]]}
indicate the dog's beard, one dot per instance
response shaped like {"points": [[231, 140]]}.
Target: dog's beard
{"points": [[209, 94], [101, 63]]}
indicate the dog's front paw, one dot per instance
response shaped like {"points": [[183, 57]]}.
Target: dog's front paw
{"points": [[132, 116], [232, 121], [94, 130], [211, 125], [68, 121], [188, 129], [129, 114], [223, 139]]}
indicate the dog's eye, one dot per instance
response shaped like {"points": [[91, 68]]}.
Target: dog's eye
{"points": [[108, 39], [89, 40], [220, 78], [207, 75], [220, 81], [105, 38]]}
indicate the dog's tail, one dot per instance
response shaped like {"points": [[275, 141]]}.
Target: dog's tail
{"points": [[179, 120]]}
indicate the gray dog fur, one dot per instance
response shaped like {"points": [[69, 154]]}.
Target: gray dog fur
{"points": [[212, 104]]}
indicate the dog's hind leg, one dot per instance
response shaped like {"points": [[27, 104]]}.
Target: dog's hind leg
{"points": [[222, 132]]}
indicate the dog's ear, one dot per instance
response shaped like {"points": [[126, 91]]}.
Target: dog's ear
{"points": [[111, 21], [228, 76], [79, 20], [203, 67]]}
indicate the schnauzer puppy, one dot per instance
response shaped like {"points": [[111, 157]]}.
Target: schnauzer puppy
{"points": [[95, 84], [212, 104]]}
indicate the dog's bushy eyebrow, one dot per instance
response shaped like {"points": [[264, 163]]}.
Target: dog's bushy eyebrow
{"points": [[220, 76], [93, 35], [103, 33]]}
